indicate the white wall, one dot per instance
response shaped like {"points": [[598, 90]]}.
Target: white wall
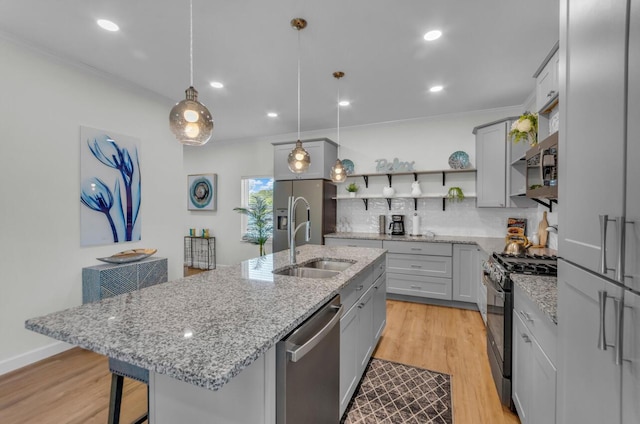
{"points": [[44, 102], [429, 142]]}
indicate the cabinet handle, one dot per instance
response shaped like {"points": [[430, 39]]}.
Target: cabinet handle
{"points": [[360, 306], [417, 249], [525, 338], [620, 227], [602, 303], [526, 316], [360, 287], [551, 93], [416, 266], [416, 287], [604, 220], [617, 311]]}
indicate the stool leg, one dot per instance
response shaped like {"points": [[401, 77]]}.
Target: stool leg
{"points": [[115, 401]]}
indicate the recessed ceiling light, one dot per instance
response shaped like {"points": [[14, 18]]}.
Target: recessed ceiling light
{"points": [[433, 35], [216, 84], [344, 103], [436, 88], [108, 25], [272, 115]]}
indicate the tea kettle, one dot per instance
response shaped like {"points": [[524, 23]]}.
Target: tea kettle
{"points": [[516, 246]]}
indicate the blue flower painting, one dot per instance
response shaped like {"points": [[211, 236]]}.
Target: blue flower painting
{"points": [[110, 187]]}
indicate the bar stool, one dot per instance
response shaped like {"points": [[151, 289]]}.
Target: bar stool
{"points": [[119, 370]]}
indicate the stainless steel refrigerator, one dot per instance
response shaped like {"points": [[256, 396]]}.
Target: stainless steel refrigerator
{"points": [[321, 197]]}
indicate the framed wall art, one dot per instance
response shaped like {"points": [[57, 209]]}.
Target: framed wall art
{"points": [[202, 192], [110, 187]]}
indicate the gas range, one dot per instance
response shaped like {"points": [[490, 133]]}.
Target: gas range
{"points": [[501, 265]]}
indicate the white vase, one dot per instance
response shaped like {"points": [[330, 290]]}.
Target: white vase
{"points": [[388, 191], [352, 194], [415, 189]]}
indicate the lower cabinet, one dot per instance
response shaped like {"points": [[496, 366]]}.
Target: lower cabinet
{"points": [[534, 374], [465, 272], [360, 330]]}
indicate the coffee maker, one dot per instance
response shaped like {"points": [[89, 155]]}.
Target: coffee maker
{"points": [[397, 225]]}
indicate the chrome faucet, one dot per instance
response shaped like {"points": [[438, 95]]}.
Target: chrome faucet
{"points": [[292, 229]]}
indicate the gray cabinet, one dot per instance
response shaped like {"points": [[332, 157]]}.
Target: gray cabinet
{"points": [[364, 300], [465, 272], [547, 80], [589, 381], [534, 372], [330, 241], [322, 151], [632, 213], [491, 156], [500, 175], [594, 131], [482, 289], [419, 269], [631, 359]]}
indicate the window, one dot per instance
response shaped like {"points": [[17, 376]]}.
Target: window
{"points": [[252, 188]]}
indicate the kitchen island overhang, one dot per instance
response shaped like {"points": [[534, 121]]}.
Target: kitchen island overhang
{"points": [[205, 329]]}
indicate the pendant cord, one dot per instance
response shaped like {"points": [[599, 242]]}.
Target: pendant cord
{"points": [[191, 41], [338, 106], [299, 50]]}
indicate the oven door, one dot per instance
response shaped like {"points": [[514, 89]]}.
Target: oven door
{"points": [[496, 320]]}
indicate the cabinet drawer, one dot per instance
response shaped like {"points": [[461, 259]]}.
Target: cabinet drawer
{"points": [[379, 267], [412, 285], [350, 293], [434, 266], [540, 326], [353, 242], [418, 248]]}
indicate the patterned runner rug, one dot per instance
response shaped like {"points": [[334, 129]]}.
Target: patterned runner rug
{"points": [[395, 393]]}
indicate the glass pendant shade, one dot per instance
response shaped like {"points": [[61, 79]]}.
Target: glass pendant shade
{"points": [[338, 173], [299, 159], [190, 121]]}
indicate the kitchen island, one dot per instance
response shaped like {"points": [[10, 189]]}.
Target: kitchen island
{"points": [[201, 332]]}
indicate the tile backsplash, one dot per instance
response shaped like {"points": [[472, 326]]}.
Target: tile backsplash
{"points": [[459, 218]]}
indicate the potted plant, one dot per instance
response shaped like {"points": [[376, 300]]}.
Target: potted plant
{"points": [[260, 221], [526, 127], [352, 189], [455, 194]]}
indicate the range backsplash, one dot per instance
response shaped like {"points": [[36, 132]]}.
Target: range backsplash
{"points": [[459, 218]]}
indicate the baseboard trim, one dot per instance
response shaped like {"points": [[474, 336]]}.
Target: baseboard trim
{"points": [[429, 301], [32, 356]]}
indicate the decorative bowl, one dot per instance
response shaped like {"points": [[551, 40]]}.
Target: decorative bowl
{"points": [[348, 166], [127, 256], [459, 160]]}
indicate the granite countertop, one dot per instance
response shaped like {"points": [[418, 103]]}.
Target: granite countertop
{"points": [[542, 290], [206, 328]]}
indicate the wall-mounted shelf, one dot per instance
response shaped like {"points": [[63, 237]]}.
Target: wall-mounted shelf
{"points": [[389, 200], [415, 174], [542, 172]]}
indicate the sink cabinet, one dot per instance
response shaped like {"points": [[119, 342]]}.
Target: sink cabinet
{"points": [[364, 300]]}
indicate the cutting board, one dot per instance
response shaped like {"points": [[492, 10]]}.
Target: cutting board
{"points": [[542, 230]]}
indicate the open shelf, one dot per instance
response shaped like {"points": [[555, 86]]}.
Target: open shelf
{"points": [[389, 200], [415, 174]]}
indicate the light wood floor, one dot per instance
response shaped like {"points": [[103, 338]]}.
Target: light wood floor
{"points": [[73, 387]]}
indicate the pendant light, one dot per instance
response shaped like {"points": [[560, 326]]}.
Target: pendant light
{"points": [[189, 120], [299, 159], [338, 173]]}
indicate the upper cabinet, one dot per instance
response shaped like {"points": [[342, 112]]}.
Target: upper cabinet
{"points": [[596, 160], [323, 153], [547, 80], [500, 164]]}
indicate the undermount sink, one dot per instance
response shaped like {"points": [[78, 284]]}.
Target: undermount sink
{"points": [[300, 271], [328, 264]]}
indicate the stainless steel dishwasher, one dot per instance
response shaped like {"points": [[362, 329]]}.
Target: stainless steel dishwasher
{"points": [[308, 369]]}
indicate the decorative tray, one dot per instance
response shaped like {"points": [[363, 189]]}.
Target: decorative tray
{"points": [[127, 256]]}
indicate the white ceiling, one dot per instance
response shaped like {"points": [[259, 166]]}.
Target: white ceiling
{"points": [[485, 58]]}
